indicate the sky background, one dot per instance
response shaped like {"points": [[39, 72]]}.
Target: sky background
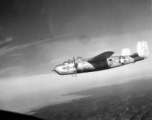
{"points": [[37, 35]]}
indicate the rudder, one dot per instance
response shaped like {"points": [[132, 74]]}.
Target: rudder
{"points": [[142, 49]]}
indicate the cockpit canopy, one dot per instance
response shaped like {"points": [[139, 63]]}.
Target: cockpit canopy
{"points": [[68, 62], [71, 61]]}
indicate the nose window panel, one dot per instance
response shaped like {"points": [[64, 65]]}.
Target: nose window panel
{"points": [[65, 67]]}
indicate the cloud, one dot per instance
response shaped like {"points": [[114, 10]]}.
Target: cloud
{"points": [[49, 63], [85, 39], [55, 60], [9, 39], [9, 49], [14, 55], [5, 50], [11, 70], [8, 69], [43, 88]]}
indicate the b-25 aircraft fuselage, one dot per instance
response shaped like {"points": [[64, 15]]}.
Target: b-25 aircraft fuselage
{"points": [[102, 61]]}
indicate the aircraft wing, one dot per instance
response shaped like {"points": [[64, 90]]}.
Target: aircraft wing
{"points": [[101, 56]]}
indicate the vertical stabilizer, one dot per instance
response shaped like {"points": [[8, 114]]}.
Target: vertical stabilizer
{"points": [[126, 51], [142, 49]]}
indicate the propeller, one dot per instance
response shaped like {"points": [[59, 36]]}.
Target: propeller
{"points": [[75, 65]]}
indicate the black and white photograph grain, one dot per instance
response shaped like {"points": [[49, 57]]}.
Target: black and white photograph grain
{"points": [[75, 59]]}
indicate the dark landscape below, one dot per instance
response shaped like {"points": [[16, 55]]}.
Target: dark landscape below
{"points": [[126, 101]]}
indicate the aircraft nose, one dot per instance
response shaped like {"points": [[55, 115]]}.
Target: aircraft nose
{"points": [[58, 69]]}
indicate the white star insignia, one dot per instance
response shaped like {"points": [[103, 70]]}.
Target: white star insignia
{"points": [[122, 60]]}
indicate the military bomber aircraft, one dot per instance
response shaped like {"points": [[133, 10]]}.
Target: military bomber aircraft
{"points": [[102, 61]]}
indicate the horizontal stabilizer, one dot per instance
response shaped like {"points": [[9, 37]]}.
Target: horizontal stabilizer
{"points": [[101, 56]]}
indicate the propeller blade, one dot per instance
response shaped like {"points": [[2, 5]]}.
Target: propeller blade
{"points": [[75, 65]]}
